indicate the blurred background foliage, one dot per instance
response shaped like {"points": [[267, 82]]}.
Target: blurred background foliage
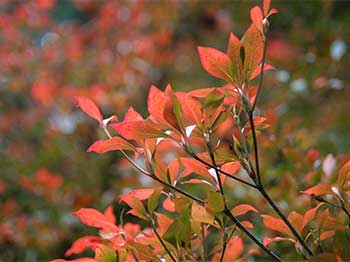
{"points": [[111, 51]]}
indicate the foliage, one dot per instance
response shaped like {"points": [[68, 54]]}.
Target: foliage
{"points": [[197, 145], [110, 51]]}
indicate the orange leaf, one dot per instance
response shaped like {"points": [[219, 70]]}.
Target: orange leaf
{"points": [[89, 108], [320, 189], [140, 194], [156, 103], [253, 44], [109, 213], [234, 53], [266, 7], [310, 214], [215, 63], [257, 70], [276, 224], [231, 167], [243, 209], [115, 143], [327, 234], [94, 218], [193, 166], [297, 221], [257, 17], [344, 175], [234, 249], [267, 241], [83, 243], [135, 130]]}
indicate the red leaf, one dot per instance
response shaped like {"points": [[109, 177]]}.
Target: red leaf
{"points": [[94, 218], [156, 103], [253, 44], [327, 234], [243, 209], [310, 214], [132, 200], [344, 175], [297, 221], [267, 241], [89, 108], [215, 63], [140, 194], [234, 249], [257, 70], [135, 130], [163, 222], [320, 189], [234, 53], [132, 115], [257, 17], [193, 166], [169, 205], [109, 213], [115, 143], [266, 6], [231, 167], [276, 224], [82, 244]]}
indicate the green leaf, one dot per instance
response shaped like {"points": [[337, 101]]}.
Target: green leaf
{"points": [[215, 202], [105, 254], [201, 214], [153, 200]]}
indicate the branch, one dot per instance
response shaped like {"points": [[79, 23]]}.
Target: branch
{"points": [[223, 172], [160, 239], [227, 212]]}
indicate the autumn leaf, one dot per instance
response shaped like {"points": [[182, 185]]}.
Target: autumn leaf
{"points": [[253, 45], [257, 17], [90, 108], [83, 243], [135, 130], [234, 53], [267, 240], [276, 224], [156, 103], [320, 189], [344, 175], [94, 218], [115, 143], [215, 63], [243, 209]]}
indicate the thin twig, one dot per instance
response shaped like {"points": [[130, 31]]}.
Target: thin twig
{"points": [[212, 157], [160, 239], [223, 172], [251, 236], [285, 219]]}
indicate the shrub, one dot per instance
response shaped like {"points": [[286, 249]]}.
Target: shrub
{"points": [[197, 146]]}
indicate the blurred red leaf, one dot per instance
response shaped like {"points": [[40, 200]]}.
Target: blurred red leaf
{"points": [[89, 107], [243, 209], [320, 189], [257, 17], [276, 224], [82, 244]]}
